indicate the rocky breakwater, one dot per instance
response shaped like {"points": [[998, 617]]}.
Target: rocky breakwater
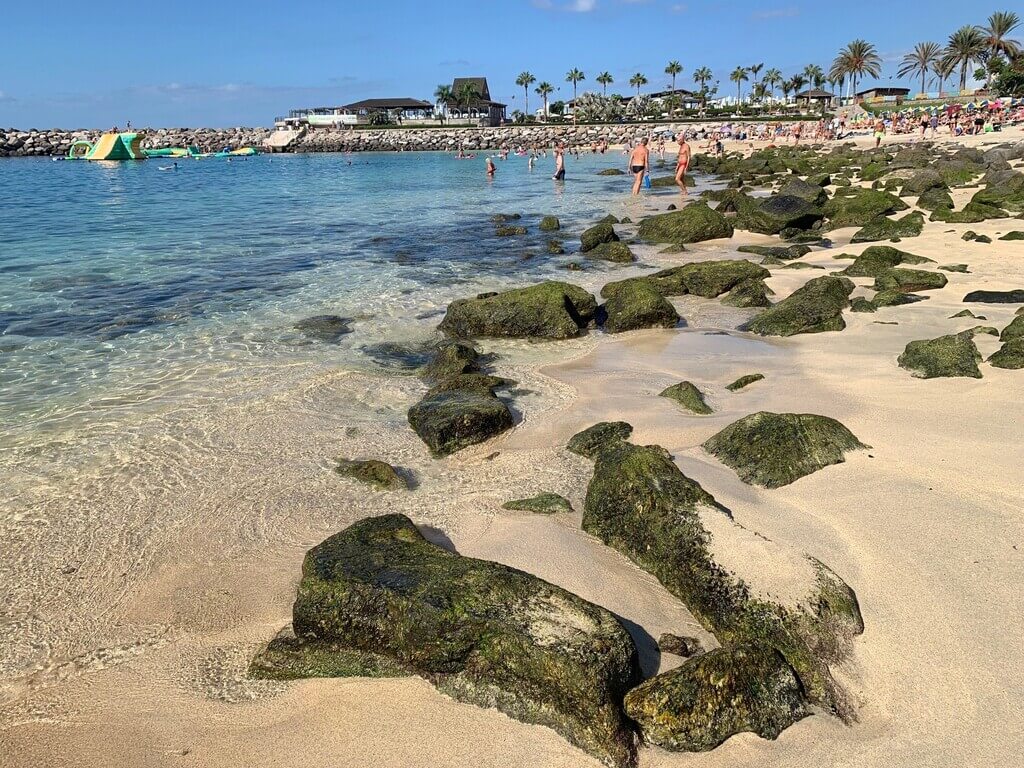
{"points": [[470, 139], [57, 142]]}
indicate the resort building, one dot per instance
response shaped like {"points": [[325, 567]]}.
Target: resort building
{"points": [[815, 97], [478, 108], [365, 112], [895, 95]]}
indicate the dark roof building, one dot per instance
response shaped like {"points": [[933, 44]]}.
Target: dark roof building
{"points": [[883, 94], [387, 105], [481, 107], [815, 94]]}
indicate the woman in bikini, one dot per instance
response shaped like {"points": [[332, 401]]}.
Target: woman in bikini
{"points": [[682, 162]]}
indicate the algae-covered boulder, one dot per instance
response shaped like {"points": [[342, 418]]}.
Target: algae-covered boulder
{"points": [[1016, 296], [922, 181], [860, 304], [815, 307], [749, 293], [813, 193], [550, 224], [617, 252], [1015, 330], [451, 359], [602, 232], [550, 310], [687, 395], [638, 304], [709, 279], [593, 440], [781, 252], [883, 228], [692, 224], [509, 230], [697, 706], [745, 381], [772, 215], [482, 632], [935, 199], [542, 504], [909, 280], [640, 503], [1015, 235], [327, 328], [611, 172], [877, 259], [856, 207], [954, 355], [373, 472], [894, 298], [679, 645], [1010, 355], [459, 412], [776, 449]]}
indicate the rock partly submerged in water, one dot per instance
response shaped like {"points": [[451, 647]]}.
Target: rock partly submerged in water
{"points": [[775, 449], [637, 304], [451, 359], [592, 440], [616, 252], [327, 328], [602, 232], [550, 310], [700, 704], [482, 632], [687, 395], [459, 412], [815, 307], [954, 355], [549, 224], [692, 224], [373, 472], [543, 504]]}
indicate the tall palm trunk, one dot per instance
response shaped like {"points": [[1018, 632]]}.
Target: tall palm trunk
{"points": [[526, 99]]}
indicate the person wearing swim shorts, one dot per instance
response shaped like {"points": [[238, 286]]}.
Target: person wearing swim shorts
{"points": [[682, 162], [879, 133], [559, 164], [639, 164]]}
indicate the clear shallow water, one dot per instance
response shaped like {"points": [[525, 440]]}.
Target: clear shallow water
{"points": [[124, 288]]}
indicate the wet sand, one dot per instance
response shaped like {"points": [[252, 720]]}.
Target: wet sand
{"points": [[144, 582]]}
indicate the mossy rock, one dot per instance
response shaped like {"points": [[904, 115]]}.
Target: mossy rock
{"points": [[326, 328], [451, 359], [775, 449], [772, 215], [909, 280], [815, 307], [599, 437], [1015, 296], [744, 381], [965, 313], [459, 412], [687, 395], [709, 279], [1015, 330], [550, 310], [614, 252], [1004, 190], [894, 298], [801, 265], [857, 207], [813, 193], [924, 180], [821, 179], [1015, 235], [1010, 355], [952, 356], [883, 228], [936, 199], [876, 260], [640, 503], [959, 268], [692, 224], [549, 224], [782, 252], [749, 293], [542, 504], [608, 219], [503, 218], [596, 235], [700, 704], [971, 236], [660, 182], [611, 172], [482, 632], [860, 304], [972, 213], [373, 472], [555, 247], [509, 231], [680, 645], [638, 304]]}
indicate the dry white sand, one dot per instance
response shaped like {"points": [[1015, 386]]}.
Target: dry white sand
{"points": [[142, 582]]}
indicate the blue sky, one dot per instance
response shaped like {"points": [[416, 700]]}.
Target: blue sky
{"points": [[95, 64]]}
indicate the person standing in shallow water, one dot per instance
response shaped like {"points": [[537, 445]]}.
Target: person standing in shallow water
{"points": [[559, 164], [491, 169], [639, 163], [682, 162]]}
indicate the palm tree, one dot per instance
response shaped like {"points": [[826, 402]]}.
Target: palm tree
{"points": [[701, 75], [787, 87], [943, 69], [815, 75], [754, 70], [442, 96], [920, 61], [1000, 24], [524, 81], [857, 59], [772, 78], [545, 89], [637, 81], [797, 83], [673, 69], [574, 76], [965, 46], [466, 94], [739, 76], [605, 79]]}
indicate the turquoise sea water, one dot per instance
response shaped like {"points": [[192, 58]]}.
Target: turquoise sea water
{"points": [[126, 288]]}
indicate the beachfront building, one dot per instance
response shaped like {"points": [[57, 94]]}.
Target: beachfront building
{"points": [[877, 94], [481, 108], [366, 112], [815, 97]]}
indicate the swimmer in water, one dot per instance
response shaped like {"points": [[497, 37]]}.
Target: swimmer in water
{"points": [[491, 169]]}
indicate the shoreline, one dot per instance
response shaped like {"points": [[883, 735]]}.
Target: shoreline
{"points": [[923, 541]]}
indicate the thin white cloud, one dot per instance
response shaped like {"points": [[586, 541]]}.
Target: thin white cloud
{"points": [[583, 6], [777, 13], [679, 8]]}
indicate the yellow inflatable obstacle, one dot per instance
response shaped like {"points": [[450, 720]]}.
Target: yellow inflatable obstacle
{"points": [[111, 146]]}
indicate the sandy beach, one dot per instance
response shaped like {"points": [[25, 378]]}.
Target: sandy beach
{"points": [[143, 595]]}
